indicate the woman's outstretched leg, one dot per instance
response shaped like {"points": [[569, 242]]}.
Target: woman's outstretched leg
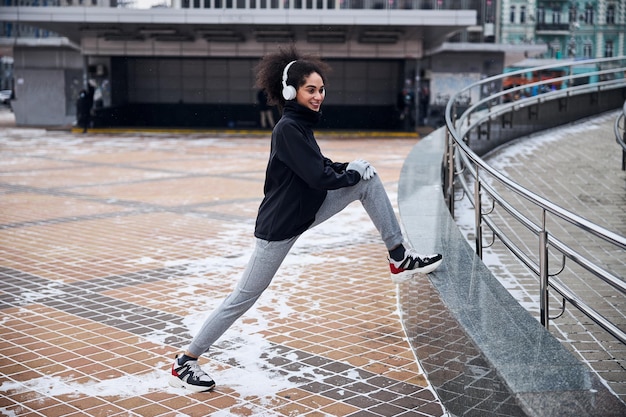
{"points": [[264, 262]]}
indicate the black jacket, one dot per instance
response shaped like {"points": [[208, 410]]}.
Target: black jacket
{"points": [[297, 176]]}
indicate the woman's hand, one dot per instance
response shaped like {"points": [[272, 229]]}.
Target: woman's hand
{"points": [[363, 167]]}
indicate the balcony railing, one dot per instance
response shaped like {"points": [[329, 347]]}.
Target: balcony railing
{"points": [[258, 4], [561, 27]]}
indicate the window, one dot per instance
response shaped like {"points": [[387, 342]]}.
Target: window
{"points": [[587, 49], [512, 15], [608, 49], [573, 14], [589, 14], [610, 14], [522, 14], [541, 15], [556, 16], [554, 49], [571, 48]]}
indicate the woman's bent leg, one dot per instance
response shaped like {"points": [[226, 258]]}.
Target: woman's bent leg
{"points": [[372, 195], [264, 262]]}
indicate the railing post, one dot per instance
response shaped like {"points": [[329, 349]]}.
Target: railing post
{"points": [[450, 183], [624, 137], [445, 168], [478, 210], [543, 273]]}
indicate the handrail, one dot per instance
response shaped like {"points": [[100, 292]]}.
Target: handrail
{"points": [[591, 77], [620, 134]]}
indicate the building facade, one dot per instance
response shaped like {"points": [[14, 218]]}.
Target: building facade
{"points": [[194, 67], [569, 29], [190, 63]]}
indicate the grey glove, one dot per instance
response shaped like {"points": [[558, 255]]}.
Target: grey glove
{"points": [[370, 171], [358, 165], [363, 168]]}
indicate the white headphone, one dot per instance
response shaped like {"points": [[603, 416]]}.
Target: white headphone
{"points": [[289, 92]]}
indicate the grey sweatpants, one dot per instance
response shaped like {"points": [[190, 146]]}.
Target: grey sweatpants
{"points": [[268, 256]]}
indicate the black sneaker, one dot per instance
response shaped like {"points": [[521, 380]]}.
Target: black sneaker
{"points": [[190, 376], [412, 263]]}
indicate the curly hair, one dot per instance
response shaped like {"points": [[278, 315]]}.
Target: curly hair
{"points": [[270, 72]]}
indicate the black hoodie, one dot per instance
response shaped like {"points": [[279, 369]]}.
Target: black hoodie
{"points": [[297, 176]]}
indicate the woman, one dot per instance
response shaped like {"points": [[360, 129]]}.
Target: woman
{"points": [[302, 189]]}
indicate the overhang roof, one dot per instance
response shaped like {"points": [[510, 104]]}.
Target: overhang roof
{"points": [[430, 27]]}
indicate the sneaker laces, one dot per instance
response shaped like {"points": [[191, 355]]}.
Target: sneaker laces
{"points": [[196, 370], [411, 258], [413, 254]]}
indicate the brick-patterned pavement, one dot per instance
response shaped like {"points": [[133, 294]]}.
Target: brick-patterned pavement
{"points": [[113, 248]]}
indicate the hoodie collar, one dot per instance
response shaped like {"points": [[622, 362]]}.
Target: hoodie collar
{"points": [[302, 114]]}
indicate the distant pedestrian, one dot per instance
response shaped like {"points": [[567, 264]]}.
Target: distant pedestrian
{"points": [[406, 107], [266, 114], [302, 189], [424, 102], [83, 110]]}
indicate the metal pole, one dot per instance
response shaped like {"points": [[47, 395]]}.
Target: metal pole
{"points": [[624, 136], [543, 273], [478, 216], [446, 167], [450, 185]]}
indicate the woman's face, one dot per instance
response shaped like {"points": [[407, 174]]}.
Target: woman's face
{"points": [[311, 93]]}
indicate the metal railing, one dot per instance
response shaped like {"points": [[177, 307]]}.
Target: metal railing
{"points": [[620, 134], [462, 166]]}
